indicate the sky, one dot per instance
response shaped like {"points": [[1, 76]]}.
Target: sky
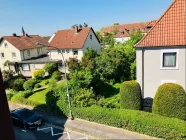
{"points": [[44, 17]]}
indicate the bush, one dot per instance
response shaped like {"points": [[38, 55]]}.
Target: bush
{"points": [[56, 75], [10, 94], [51, 67], [21, 94], [37, 85], [130, 93], [84, 98], [170, 101], [29, 85], [138, 121], [62, 104], [18, 84], [38, 74]]}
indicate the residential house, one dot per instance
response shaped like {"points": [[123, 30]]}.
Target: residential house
{"points": [[17, 50], [73, 42], [161, 54], [125, 30]]}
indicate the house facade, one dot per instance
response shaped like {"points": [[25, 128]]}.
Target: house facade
{"points": [[161, 54], [73, 43], [125, 30], [16, 49]]}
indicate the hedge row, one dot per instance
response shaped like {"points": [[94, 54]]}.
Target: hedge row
{"points": [[137, 121]]}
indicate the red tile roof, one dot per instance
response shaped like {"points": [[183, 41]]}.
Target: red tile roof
{"points": [[68, 39], [23, 42], [169, 30], [126, 28]]}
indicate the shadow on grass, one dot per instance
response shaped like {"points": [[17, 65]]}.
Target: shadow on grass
{"points": [[106, 90]]}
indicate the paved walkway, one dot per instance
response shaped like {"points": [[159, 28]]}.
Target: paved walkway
{"points": [[89, 128]]}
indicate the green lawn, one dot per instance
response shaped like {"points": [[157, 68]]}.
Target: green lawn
{"points": [[39, 96]]}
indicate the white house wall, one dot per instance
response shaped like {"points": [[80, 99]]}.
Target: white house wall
{"points": [[8, 53], [154, 76], [121, 40]]}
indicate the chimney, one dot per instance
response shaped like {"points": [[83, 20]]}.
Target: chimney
{"points": [[14, 35], [76, 29]]}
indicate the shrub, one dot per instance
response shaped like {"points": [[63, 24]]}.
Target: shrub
{"points": [[51, 67], [84, 98], [29, 85], [138, 121], [10, 94], [21, 94], [170, 101], [38, 74], [130, 93], [18, 84], [62, 104], [56, 75], [37, 85]]}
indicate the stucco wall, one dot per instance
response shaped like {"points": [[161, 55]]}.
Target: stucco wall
{"points": [[154, 76], [33, 53], [121, 40], [8, 53]]}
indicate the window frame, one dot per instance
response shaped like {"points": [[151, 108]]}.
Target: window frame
{"points": [[90, 37], [5, 45], [28, 52], [1, 55], [75, 51], [13, 56], [25, 64], [162, 59]]}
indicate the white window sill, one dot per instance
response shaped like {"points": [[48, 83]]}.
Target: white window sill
{"points": [[169, 68]]}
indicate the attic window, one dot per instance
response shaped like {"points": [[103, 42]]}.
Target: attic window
{"points": [[91, 37], [122, 33], [6, 45]]}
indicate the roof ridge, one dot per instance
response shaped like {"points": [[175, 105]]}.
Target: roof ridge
{"points": [[156, 23]]}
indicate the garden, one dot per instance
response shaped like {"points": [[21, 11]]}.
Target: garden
{"points": [[103, 89]]}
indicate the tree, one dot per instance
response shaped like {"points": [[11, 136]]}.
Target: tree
{"points": [[116, 23], [73, 64], [51, 67], [133, 71]]}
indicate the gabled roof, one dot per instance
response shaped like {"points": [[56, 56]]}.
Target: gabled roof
{"points": [[127, 28], [68, 39], [25, 42], [170, 29]]}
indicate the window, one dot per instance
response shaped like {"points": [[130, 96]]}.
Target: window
{"points": [[13, 55], [2, 55], [122, 33], [169, 59], [38, 51], [26, 67], [63, 51], [67, 51], [6, 45], [28, 52], [91, 37], [75, 52]]}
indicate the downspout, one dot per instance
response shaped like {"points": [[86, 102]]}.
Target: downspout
{"points": [[143, 72]]}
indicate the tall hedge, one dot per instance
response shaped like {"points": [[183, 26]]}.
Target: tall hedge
{"points": [[130, 93], [170, 101]]}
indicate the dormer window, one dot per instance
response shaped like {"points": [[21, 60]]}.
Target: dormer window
{"points": [[122, 33]]}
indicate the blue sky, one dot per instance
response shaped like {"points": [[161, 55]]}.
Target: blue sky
{"points": [[44, 17]]}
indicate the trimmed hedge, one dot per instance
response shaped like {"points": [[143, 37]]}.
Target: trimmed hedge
{"points": [[138, 121], [29, 85], [18, 84], [56, 75], [130, 93], [170, 101]]}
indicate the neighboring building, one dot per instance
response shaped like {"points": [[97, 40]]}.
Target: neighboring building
{"points": [[161, 54], [16, 49], [125, 30], [73, 42]]}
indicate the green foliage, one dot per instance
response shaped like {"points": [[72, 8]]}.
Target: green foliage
{"points": [[112, 102], [37, 86], [138, 121], [10, 94], [7, 74], [131, 97], [170, 101], [44, 82], [51, 67], [80, 79], [52, 85], [116, 23], [113, 65], [51, 98], [39, 96], [29, 85], [38, 74], [73, 64], [84, 98], [18, 84], [21, 94], [56, 75], [133, 71]]}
